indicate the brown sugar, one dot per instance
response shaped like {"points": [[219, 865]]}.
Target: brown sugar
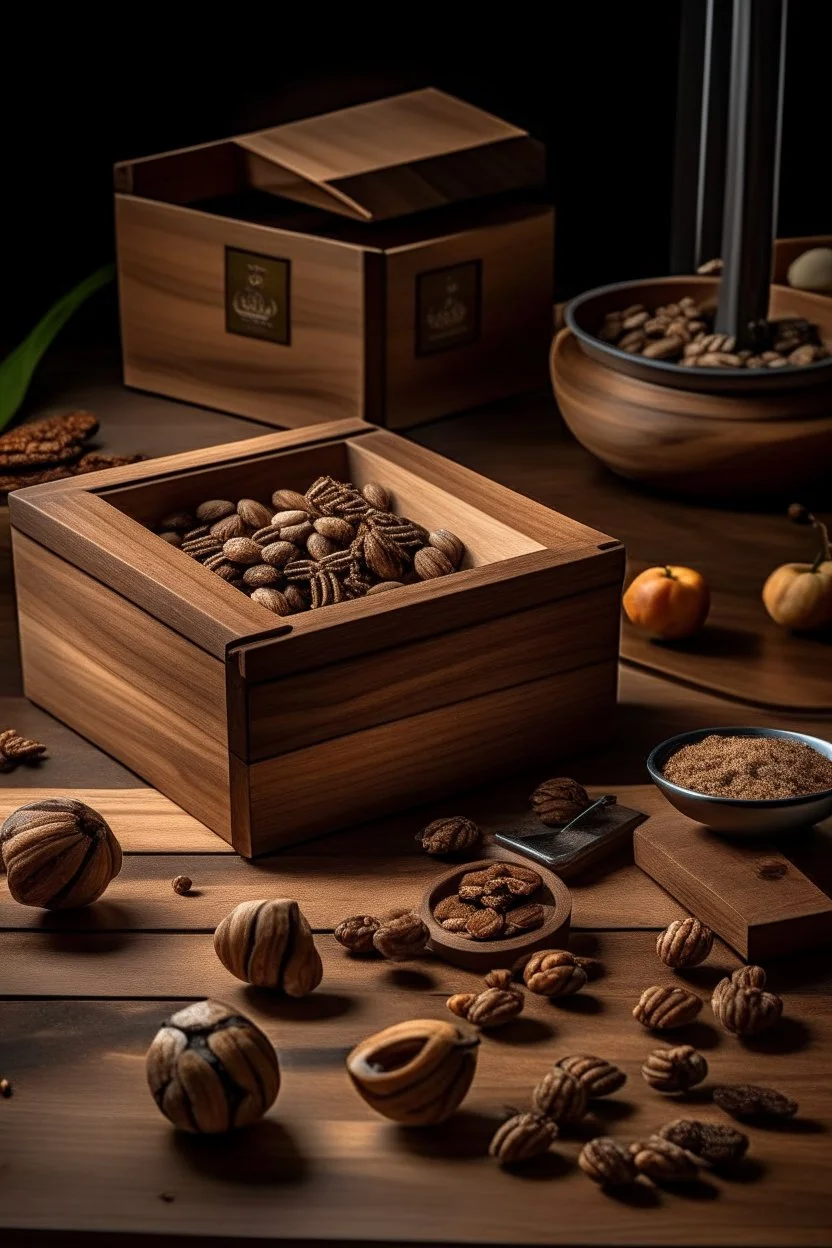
{"points": [[752, 768]]}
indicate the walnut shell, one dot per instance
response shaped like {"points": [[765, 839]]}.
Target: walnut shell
{"points": [[714, 1142], [356, 933], [210, 1069], [663, 1161], [687, 942], [416, 1073], [745, 1011], [58, 853], [599, 1077], [553, 973], [522, 1138], [559, 800], [402, 935], [674, 1070], [662, 1007], [269, 944], [606, 1161], [452, 835], [560, 1096]]}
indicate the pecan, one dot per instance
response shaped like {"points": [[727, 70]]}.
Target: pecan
{"points": [[460, 1003], [16, 749], [748, 1101], [745, 1011], [213, 510], [559, 800], [253, 514], [637, 320], [501, 902], [714, 1142], [430, 563], [402, 935], [278, 554], [749, 977], [606, 1161], [674, 1070], [553, 973], [333, 498], [598, 1076], [487, 1009], [485, 925], [289, 500], [227, 527], [632, 341], [452, 835], [260, 574], [687, 942], [525, 919], [662, 1007], [498, 978], [336, 530], [454, 914], [664, 1161], [242, 550], [376, 496], [272, 599], [560, 1096], [357, 932], [664, 348], [521, 1138], [448, 544]]}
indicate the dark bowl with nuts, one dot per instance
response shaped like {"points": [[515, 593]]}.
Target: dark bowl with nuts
{"points": [[496, 912]]}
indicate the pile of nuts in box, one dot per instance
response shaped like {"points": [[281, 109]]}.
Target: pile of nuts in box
{"points": [[333, 543]]}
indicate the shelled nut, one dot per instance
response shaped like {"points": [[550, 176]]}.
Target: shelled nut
{"points": [[357, 932], [522, 1138], [607, 1162], [553, 973], [559, 800], [745, 1011], [687, 942], [560, 1096], [401, 935], [599, 1077], [452, 835], [662, 1007], [664, 1161], [674, 1070]]}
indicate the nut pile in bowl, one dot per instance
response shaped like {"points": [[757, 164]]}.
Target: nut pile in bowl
{"points": [[683, 333], [334, 543], [496, 903]]}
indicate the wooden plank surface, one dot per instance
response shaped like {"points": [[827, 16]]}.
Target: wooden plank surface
{"points": [[322, 1167]]}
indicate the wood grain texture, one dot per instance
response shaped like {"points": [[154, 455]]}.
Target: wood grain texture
{"points": [[324, 1168], [722, 882]]}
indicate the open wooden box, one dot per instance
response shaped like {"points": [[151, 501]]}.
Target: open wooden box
{"points": [[274, 729]]}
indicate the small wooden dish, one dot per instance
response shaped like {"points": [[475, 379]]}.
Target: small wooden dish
{"points": [[485, 955]]}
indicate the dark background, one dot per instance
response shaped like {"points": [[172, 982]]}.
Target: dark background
{"points": [[596, 81]]}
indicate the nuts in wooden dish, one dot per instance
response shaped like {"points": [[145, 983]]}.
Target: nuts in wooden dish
{"points": [[334, 543], [677, 1069], [58, 853], [416, 1073], [210, 1069], [494, 903], [663, 1007], [269, 944]]}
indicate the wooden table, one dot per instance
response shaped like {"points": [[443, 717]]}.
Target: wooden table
{"points": [[86, 1159]]}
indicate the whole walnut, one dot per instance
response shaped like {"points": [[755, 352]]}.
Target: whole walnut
{"points": [[606, 1161], [674, 1070], [210, 1069], [745, 1011], [269, 944], [560, 1096], [599, 1077], [58, 853], [356, 933], [559, 800], [522, 1138], [402, 935], [452, 835], [553, 973], [687, 942], [662, 1007]]}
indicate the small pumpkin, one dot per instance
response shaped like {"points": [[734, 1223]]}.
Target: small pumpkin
{"points": [[799, 595], [58, 853], [669, 602]]}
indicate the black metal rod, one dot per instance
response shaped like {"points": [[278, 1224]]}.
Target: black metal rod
{"points": [[752, 168], [710, 193]]}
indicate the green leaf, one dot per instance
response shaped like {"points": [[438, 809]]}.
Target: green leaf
{"points": [[18, 368]]}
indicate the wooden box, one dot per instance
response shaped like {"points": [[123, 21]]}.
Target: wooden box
{"points": [[390, 261], [275, 729]]}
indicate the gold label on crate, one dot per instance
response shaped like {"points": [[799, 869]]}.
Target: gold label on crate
{"points": [[257, 294], [448, 307]]}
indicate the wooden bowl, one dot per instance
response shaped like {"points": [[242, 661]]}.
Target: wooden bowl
{"points": [[760, 442], [485, 955]]}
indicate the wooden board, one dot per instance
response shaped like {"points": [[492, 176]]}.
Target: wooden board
{"points": [[753, 896]]}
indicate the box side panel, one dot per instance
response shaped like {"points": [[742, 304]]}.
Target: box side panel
{"points": [[175, 317], [469, 318], [408, 679], [365, 775], [140, 691]]}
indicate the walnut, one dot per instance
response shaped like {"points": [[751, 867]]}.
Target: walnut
{"points": [[522, 1138], [714, 1142], [747, 1101], [430, 563], [553, 973], [498, 978], [487, 1009], [745, 1011], [269, 944], [376, 496], [356, 933], [253, 514], [210, 1069], [447, 544], [599, 1077], [15, 749], [416, 1073], [606, 1161], [525, 919], [452, 835], [58, 853], [485, 925], [674, 1070], [560, 1096], [402, 935], [212, 510], [687, 942], [664, 1161], [559, 800], [662, 1007], [749, 977]]}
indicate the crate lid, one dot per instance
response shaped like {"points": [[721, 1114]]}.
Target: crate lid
{"points": [[392, 157]]}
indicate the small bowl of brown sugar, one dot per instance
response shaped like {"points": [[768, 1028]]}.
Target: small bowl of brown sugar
{"points": [[746, 781]]}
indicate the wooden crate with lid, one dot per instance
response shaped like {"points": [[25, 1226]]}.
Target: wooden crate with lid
{"points": [[391, 261]]}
